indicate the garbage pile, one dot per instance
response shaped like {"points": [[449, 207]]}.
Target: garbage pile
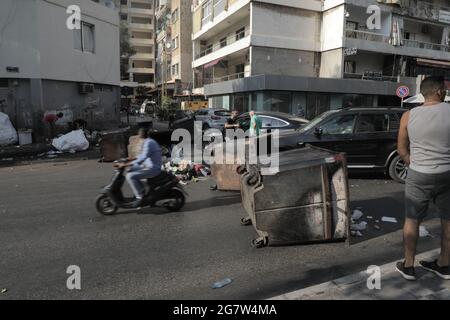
{"points": [[187, 171], [8, 134]]}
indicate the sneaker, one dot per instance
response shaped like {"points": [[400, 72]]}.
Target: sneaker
{"points": [[443, 272], [408, 273]]}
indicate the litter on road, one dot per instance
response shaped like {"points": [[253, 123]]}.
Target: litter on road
{"points": [[423, 232], [357, 214], [359, 226], [389, 219], [221, 284]]}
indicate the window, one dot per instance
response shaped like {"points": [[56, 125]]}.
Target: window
{"points": [[223, 42], [84, 38], [175, 43], [372, 123], [350, 66], [175, 16], [222, 113], [240, 33], [339, 125], [240, 68], [209, 49], [207, 9], [175, 69], [394, 121]]}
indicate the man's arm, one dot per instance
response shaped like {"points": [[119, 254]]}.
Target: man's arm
{"points": [[403, 139], [143, 155]]}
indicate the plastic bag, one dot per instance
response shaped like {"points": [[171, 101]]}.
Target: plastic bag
{"points": [[74, 140], [8, 134]]}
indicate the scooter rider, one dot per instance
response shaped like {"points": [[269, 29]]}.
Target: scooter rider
{"points": [[146, 165]]}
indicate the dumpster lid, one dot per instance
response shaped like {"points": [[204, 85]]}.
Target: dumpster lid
{"points": [[306, 156]]}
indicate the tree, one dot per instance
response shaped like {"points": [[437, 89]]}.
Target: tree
{"points": [[126, 50]]}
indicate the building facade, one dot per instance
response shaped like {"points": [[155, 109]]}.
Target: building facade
{"points": [[173, 46], [137, 16], [306, 57], [47, 67]]}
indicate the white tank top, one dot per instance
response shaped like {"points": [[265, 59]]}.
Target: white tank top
{"points": [[429, 135]]}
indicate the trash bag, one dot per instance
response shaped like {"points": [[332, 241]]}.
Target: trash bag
{"points": [[8, 134], [74, 140]]}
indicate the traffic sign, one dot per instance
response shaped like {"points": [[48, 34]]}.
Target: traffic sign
{"points": [[402, 92]]}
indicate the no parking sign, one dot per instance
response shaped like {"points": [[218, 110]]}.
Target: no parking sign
{"points": [[402, 92]]}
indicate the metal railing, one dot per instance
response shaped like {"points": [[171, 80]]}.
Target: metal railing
{"points": [[371, 36], [377, 76], [223, 43], [229, 77], [425, 45], [365, 35]]}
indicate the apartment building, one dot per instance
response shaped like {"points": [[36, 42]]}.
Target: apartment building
{"points": [[306, 57], [138, 17], [47, 67], [173, 46]]}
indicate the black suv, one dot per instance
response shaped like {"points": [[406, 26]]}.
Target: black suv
{"points": [[368, 136]]}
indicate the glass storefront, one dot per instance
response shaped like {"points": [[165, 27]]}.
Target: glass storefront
{"points": [[303, 104]]}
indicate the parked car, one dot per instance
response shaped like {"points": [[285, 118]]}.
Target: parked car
{"points": [[273, 120], [212, 117], [368, 136]]}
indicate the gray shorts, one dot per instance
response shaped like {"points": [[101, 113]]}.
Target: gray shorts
{"points": [[421, 188]]}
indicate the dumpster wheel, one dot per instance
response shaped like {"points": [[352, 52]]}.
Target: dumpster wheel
{"points": [[259, 242], [246, 221]]}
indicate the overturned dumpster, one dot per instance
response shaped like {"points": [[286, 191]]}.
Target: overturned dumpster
{"points": [[306, 201]]}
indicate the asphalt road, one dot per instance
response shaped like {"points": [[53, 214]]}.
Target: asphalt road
{"points": [[48, 222]]}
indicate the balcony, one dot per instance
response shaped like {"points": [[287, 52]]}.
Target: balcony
{"points": [[142, 56], [136, 11], [424, 10], [141, 42], [140, 26], [375, 42], [141, 70]]}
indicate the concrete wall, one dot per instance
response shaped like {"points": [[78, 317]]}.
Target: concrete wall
{"points": [[35, 39], [332, 31], [331, 65], [43, 47], [285, 27], [284, 61]]}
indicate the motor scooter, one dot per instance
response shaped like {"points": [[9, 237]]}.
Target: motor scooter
{"points": [[161, 191]]}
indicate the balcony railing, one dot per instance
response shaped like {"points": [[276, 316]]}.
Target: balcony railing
{"points": [[200, 83], [425, 45], [223, 43], [370, 75], [423, 10], [365, 35], [371, 36]]}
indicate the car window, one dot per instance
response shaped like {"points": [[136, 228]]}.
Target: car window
{"points": [[394, 121], [372, 123], [266, 122], [222, 113], [339, 125], [278, 123]]}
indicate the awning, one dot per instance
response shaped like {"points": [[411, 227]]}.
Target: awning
{"points": [[433, 63], [212, 63]]}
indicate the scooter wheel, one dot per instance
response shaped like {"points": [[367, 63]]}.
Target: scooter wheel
{"points": [[104, 205], [176, 200]]}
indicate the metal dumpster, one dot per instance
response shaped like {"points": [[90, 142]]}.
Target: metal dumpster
{"points": [[113, 144], [306, 201]]}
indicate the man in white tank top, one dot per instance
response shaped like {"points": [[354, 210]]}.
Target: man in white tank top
{"points": [[424, 144]]}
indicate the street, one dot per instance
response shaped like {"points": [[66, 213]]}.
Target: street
{"points": [[48, 222]]}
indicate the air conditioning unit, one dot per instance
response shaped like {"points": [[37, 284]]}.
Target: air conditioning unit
{"points": [[84, 88]]}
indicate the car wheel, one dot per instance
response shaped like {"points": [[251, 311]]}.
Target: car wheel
{"points": [[398, 170]]}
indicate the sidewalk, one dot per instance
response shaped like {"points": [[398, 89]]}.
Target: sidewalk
{"points": [[393, 287]]}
